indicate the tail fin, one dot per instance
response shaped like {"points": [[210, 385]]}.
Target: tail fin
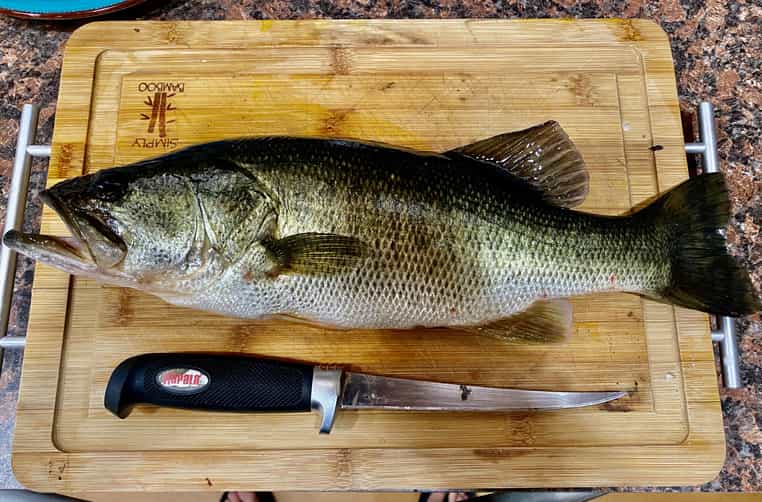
{"points": [[703, 275]]}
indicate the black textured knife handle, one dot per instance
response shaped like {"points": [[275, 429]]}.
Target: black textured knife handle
{"points": [[209, 382]]}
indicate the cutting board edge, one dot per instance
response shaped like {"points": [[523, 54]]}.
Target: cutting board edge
{"points": [[360, 469]]}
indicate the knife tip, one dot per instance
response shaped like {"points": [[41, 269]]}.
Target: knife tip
{"points": [[609, 396]]}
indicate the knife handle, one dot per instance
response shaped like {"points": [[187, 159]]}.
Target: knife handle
{"points": [[209, 382]]}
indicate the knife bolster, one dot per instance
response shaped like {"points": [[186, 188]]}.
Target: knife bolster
{"points": [[326, 387]]}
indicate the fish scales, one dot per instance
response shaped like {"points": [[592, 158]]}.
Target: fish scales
{"points": [[451, 243]]}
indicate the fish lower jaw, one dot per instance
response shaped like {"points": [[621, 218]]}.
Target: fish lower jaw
{"points": [[64, 253], [60, 252]]}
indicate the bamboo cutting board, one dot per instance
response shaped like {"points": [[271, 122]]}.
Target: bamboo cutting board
{"points": [[131, 90]]}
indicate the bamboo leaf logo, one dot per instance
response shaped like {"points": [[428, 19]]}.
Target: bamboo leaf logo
{"points": [[160, 105]]}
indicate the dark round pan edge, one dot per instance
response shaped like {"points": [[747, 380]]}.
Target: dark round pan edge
{"points": [[80, 14]]}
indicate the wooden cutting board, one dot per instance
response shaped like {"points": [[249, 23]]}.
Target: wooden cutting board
{"points": [[131, 90]]}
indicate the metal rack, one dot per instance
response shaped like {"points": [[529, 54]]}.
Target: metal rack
{"points": [[725, 335], [14, 217]]}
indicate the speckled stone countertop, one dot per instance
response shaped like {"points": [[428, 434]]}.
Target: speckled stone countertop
{"points": [[717, 47]]}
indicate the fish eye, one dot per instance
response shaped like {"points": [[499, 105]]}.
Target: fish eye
{"points": [[107, 187]]}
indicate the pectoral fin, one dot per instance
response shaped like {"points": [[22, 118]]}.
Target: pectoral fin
{"points": [[544, 322], [315, 253], [542, 156]]}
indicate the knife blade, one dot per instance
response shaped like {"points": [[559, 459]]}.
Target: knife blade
{"points": [[249, 384]]}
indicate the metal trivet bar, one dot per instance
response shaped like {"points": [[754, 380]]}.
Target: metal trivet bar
{"points": [[725, 335], [14, 216]]}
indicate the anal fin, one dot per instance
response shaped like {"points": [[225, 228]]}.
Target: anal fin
{"points": [[544, 322]]}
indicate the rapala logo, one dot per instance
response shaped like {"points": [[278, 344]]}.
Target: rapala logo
{"points": [[183, 380]]}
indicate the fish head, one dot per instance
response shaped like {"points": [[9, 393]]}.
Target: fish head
{"points": [[128, 226]]}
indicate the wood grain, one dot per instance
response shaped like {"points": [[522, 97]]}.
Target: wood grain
{"points": [[131, 90]]}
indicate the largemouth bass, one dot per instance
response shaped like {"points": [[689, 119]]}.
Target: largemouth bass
{"points": [[355, 234]]}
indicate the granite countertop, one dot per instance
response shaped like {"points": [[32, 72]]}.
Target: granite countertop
{"points": [[716, 48]]}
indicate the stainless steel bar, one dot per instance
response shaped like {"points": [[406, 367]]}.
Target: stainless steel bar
{"points": [[694, 148], [726, 334], [14, 213], [708, 137], [731, 364], [12, 342], [38, 150]]}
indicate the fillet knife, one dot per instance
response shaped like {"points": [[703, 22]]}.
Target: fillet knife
{"points": [[247, 384]]}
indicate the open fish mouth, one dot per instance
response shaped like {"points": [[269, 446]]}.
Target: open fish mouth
{"points": [[93, 250], [66, 253]]}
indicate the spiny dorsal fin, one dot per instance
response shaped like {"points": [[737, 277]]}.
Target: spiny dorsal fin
{"points": [[315, 253], [545, 321], [542, 156]]}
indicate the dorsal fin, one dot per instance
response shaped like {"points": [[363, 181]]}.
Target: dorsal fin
{"points": [[542, 156]]}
